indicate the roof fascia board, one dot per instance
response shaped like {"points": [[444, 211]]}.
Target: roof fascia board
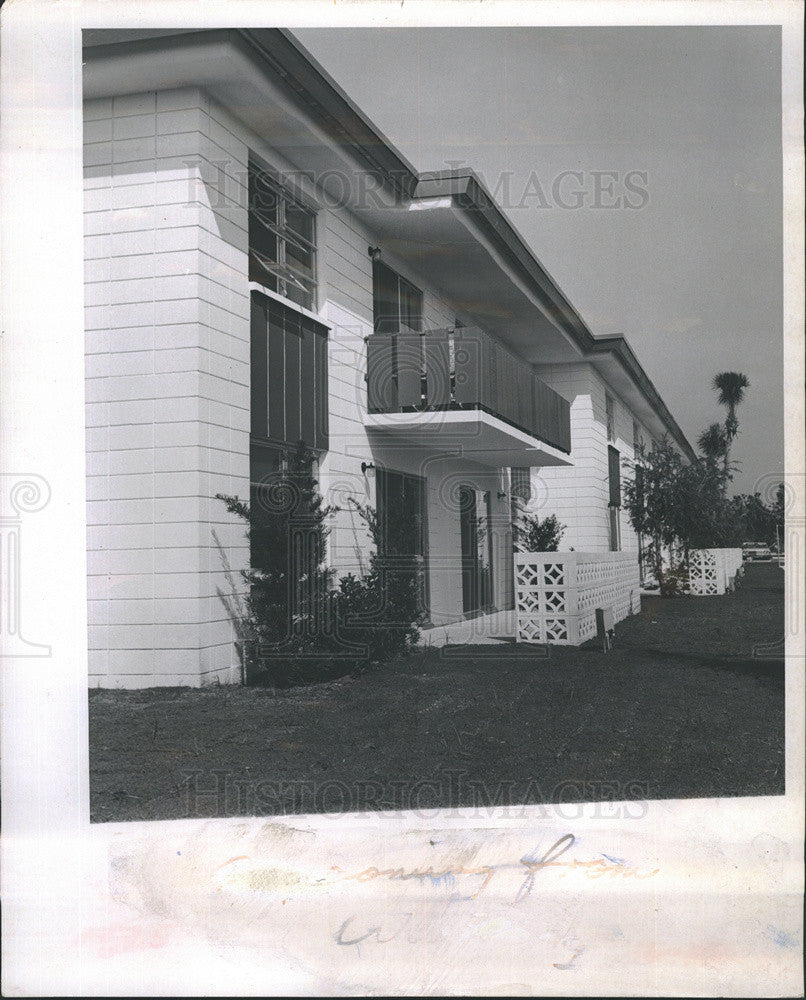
{"points": [[618, 348], [468, 193], [282, 65], [318, 93], [287, 65]]}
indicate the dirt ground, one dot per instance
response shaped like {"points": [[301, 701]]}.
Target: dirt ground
{"points": [[689, 703]]}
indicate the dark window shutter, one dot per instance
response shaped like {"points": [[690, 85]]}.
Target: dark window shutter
{"points": [[259, 367], [322, 391], [293, 376], [276, 374], [614, 476], [308, 382], [289, 394]]}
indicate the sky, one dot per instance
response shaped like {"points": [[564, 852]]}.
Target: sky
{"points": [[642, 165]]}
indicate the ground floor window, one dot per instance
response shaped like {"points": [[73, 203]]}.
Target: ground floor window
{"points": [[614, 491]]}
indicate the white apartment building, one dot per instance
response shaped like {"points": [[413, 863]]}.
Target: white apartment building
{"points": [[262, 267]]}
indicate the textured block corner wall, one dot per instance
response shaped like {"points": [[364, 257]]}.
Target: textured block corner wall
{"points": [[167, 387], [578, 494]]}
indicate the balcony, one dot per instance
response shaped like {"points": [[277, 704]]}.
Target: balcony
{"points": [[460, 391]]}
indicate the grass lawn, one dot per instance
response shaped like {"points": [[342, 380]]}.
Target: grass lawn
{"points": [[681, 707]]}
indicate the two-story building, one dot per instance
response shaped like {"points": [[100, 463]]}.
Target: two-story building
{"points": [[262, 267]]}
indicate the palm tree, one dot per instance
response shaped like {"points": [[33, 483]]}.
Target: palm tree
{"points": [[713, 442], [730, 387]]}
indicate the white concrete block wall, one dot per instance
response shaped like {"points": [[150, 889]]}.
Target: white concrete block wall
{"points": [[167, 364], [579, 494]]}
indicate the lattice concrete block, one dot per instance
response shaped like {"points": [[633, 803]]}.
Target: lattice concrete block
{"points": [[557, 593], [713, 571]]}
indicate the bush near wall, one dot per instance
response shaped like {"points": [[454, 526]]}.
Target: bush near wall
{"points": [[678, 506], [294, 627], [533, 535]]}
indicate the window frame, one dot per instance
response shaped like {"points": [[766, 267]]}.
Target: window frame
{"points": [[610, 417], [637, 438], [286, 276], [400, 284]]}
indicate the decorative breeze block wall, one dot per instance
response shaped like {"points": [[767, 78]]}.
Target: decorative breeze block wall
{"points": [[557, 593], [713, 571]]}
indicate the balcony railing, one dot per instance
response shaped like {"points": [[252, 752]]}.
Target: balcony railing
{"points": [[463, 369]]}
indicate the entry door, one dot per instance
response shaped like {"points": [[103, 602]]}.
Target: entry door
{"points": [[401, 501], [477, 549]]}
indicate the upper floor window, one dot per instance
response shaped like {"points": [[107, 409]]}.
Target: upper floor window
{"points": [[637, 441], [282, 239], [397, 304], [610, 410]]}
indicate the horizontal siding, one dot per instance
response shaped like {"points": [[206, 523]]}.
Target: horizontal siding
{"points": [[167, 365], [578, 496]]}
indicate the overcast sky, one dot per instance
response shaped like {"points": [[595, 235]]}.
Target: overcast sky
{"points": [[693, 275]]}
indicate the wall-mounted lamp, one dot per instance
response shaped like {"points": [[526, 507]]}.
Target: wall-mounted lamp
{"points": [[374, 252], [367, 467]]}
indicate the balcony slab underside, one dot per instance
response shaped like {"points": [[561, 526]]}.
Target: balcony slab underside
{"points": [[474, 435]]}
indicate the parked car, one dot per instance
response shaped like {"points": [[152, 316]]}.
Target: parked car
{"points": [[756, 552]]}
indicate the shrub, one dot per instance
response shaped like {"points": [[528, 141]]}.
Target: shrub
{"points": [[534, 535], [280, 627], [294, 627], [382, 611], [675, 581]]}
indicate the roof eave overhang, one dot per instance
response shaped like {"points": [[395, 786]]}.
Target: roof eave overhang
{"points": [[617, 349], [270, 64], [264, 61], [467, 194]]}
